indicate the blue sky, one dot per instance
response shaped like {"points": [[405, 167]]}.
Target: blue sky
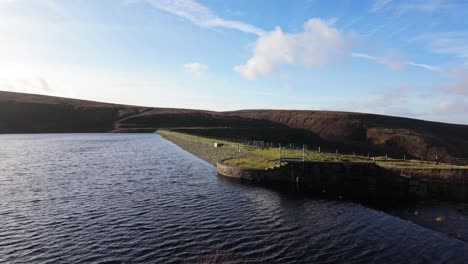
{"points": [[405, 58]]}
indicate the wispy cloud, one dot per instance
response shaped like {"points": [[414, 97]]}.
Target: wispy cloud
{"points": [[379, 5], [196, 68], [390, 101], [200, 15], [452, 43], [427, 6], [426, 66], [459, 84], [317, 45], [408, 6], [394, 62], [451, 106]]}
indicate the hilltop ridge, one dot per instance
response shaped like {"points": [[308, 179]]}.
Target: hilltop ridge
{"points": [[28, 113]]}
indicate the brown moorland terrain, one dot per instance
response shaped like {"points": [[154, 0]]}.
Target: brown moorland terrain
{"points": [[28, 113]]}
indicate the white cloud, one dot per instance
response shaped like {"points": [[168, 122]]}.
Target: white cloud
{"points": [[317, 45], [32, 85], [200, 15], [394, 62], [379, 5], [196, 68]]}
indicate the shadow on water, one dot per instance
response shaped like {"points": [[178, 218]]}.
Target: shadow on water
{"points": [[295, 190], [447, 217]]}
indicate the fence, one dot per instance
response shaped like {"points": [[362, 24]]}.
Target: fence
{"points": [[294, 151]]}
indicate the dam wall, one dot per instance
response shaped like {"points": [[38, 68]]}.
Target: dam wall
{"points": [[364, 181], [435, 183], [347, 180], [278, 174]]}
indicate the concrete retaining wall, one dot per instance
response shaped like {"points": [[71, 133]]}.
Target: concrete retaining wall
{"points": [[279, 174], [361, 180], [450, 184], [353, 180]]}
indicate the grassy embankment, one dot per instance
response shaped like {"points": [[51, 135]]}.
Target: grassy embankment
{"points": [[260, 158]]}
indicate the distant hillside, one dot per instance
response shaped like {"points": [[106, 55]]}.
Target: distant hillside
{"points": [[26, 113], [386, 134]]}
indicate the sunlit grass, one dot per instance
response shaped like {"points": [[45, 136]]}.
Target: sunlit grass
{"points": [[256, 157]]}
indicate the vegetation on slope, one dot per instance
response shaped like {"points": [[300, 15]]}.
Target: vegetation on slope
{"points": [[348, 132]]}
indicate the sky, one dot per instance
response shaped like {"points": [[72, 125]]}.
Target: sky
{"points": [[403, 58]]}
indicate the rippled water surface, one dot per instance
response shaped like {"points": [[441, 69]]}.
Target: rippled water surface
{"points": [[99, 198]]}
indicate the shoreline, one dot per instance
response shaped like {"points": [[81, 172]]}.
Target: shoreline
{"points": [[447, 218]]}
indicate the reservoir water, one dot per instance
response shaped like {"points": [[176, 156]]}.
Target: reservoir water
{"points": [[118, 198]]}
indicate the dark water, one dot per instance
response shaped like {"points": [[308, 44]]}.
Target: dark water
{"points": [[141, 199]]}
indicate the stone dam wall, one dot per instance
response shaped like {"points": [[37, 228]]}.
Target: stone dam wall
{"points": [[364, 181], [450, 184]]}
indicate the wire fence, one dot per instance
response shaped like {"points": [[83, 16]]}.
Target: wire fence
{"points": [[305, 151]]}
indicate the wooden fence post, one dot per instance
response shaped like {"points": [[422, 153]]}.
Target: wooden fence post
{"points": [[303, 152]]}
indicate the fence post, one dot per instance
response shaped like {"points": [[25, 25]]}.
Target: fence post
{"points": [[303, 152], [280, 153]]}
